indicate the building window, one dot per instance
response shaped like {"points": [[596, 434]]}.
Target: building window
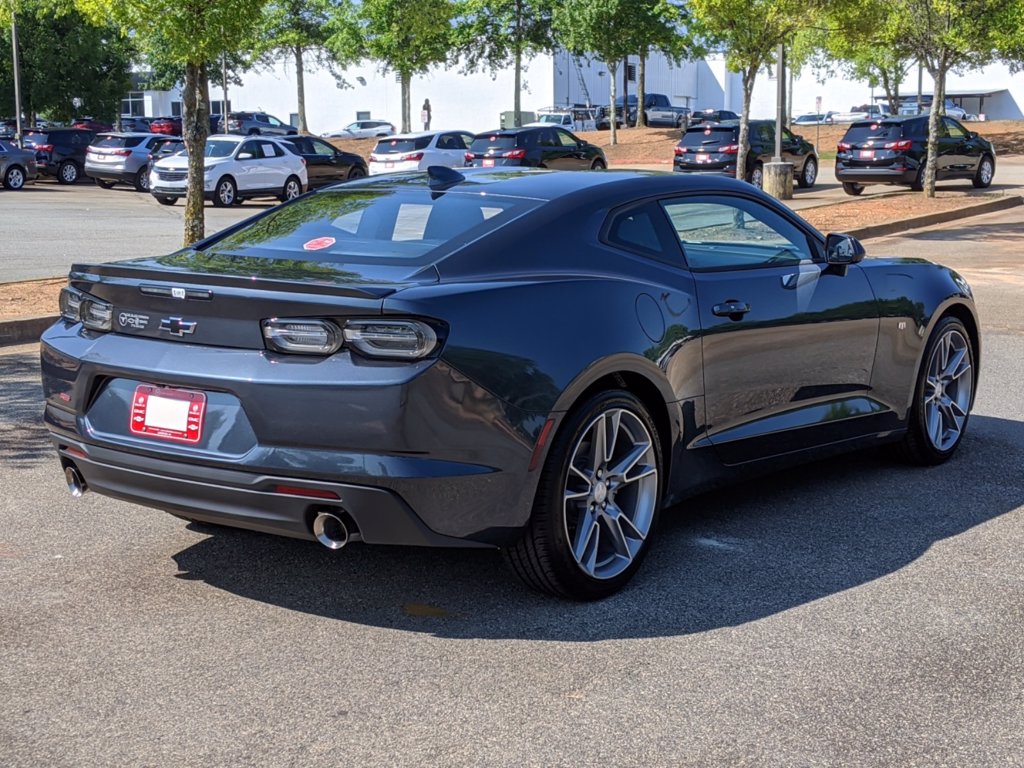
{"points": [[216, 107], [175, 109], [134, 105]]}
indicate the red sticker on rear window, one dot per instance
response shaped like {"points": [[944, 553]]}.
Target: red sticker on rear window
{"points": [[318, 243]]}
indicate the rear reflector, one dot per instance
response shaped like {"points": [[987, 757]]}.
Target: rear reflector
{"points": [[311, 493], [542, 440]]}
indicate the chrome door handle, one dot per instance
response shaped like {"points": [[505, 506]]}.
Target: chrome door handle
{"points": [[734, 310]]}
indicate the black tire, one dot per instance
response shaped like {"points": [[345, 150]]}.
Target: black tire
{"points": [[918, 183], [543, 558], [225, 193], [14, 177], [142, 179], [756, 176], [292, 188], [104, 184], [852, 188], [986, 170], [355, 172], [68, 173], [254, 131], [918, 445], [809, 173], [598, 165], [164, 200]]}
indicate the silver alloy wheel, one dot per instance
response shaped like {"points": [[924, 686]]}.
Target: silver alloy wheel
{"points": [[757, 178], [949, 385], [143, 179], [226, 192], [810, 172], [611, 489], [15, 179], [292, 189], [985, 172], [69, 173]]}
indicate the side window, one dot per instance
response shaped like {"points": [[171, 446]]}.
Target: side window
{"points": [[274, 121], [322, 148], [766, 131], [641, 229], [271, 149], [566, 139], [734, 233], [788, 137], [250, 147], [547, 138], [953, 129]]}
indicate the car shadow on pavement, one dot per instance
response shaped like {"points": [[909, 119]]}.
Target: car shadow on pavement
{"points": [[722, 559], [24, 443]]}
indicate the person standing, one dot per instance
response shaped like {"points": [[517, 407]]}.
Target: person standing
{"points": [[425, 114]]}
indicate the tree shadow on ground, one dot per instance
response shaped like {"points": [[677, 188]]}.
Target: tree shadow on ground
{"points": [[24, 442]]}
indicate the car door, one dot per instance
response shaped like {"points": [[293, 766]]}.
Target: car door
{"points": [[451, 149], [573, 156], [788, 341], [274, 168], [962, 155], [324, 165], [249, 171]]}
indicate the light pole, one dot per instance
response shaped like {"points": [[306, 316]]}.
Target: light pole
{"points": [[17, 77]]}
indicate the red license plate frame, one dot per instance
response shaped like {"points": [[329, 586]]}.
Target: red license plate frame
{"points": [[177, 414]]}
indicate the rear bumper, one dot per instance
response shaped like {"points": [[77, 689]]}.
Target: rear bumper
{"points": [[875, 175], [109, 174], [248, 500]]}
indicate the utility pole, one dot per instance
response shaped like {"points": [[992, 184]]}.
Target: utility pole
{"points": [[17, 78], [778, 175], [224, 99]]}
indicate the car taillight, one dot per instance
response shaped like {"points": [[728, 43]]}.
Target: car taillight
{"points": [[515, 154], [398, 339], [903, 145], [730, 149], [843, 145], [93, 313], [122, 152], [470, 157], [44, 147], [411, 156], [680, 151]]}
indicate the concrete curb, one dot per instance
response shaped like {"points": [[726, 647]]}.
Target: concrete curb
{"points": [[930, 219], [24, 330]]}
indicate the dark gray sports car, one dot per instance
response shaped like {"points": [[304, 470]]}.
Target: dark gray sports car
{"points": [[532, 360]]}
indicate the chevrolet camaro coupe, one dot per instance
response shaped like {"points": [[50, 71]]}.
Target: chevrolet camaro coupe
{"points": [[538, 361]]}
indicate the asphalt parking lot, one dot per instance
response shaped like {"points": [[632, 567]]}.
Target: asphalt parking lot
{"points": [[853, 612]]}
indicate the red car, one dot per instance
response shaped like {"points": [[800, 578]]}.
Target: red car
{"points": [[88, 124], [168, 125]]}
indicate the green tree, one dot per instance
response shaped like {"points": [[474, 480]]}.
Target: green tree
{"points": [[403, 36], [954, 35], [491, 34], [657, 26], [190, 33], [298, 29], [91, 63], [602, 28], [750, 32]]}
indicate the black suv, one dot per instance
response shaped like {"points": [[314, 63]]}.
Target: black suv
{"points": [[715, 147], [893, 151], [60, 152], [535, 147]]}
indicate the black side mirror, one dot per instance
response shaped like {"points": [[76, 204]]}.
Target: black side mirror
{"points": [[843, 249], [974, 134]]}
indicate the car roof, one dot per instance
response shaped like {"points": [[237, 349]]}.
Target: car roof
{"points": [[415, 135], [128, 134]]}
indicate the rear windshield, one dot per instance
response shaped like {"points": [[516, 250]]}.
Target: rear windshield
{"points": [[398, 146], [36, 138], [485, 141], [119, 142], [860, 132], [708, 136], [370, 225]]}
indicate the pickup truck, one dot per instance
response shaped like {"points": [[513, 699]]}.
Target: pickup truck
{"points": [[863, 112], [572, 119], [659, 110]]}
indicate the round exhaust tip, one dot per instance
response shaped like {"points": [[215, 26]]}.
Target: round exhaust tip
{"points": [[75, 482], [330, 530]]}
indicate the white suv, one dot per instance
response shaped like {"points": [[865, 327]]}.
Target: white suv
{"points": [[237, 167], [419, 151]]}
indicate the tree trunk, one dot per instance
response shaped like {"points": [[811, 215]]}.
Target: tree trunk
{"points": [[517, 102], [517, 44], [406, 109], [195, 129], [749, 75], [641, 90], [300, 87], [934, 123], [614, 139]]}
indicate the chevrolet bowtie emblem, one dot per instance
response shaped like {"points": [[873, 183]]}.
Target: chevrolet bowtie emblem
{"points": [[176, 326]]}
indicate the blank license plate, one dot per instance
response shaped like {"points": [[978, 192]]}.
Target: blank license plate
{"points": [[168, 414], [701, 157], [867, 154], [488, 163]]}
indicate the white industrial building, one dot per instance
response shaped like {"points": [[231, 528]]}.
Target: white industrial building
{"points": [[476, 101]]}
